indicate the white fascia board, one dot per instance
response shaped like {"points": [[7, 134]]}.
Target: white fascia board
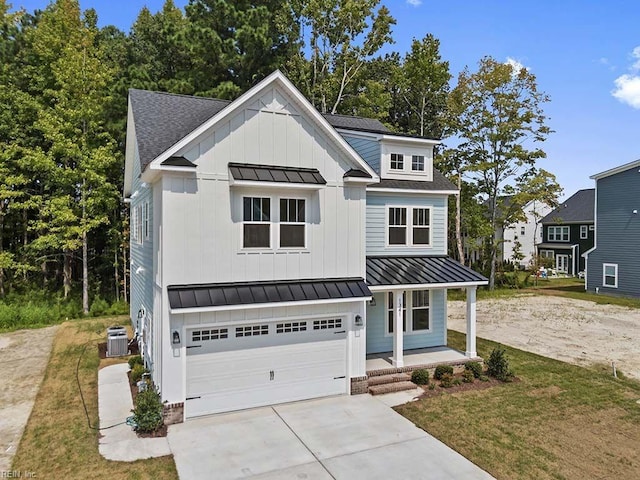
{"points": [[427, 142], [275, 185], [406, 190], [367, 181], [613, 171], [172, 168], [129, 156], [427, 286], [251, 306], [275, 77]]}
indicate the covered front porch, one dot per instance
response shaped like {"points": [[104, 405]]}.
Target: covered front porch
{"points": [[419, 357]]}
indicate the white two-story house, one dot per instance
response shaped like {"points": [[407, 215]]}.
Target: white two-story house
{"points": [[277, 254]]}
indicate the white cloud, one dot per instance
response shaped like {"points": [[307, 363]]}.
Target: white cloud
{"points": [[415, 3], [628, 85], [515, 64]]}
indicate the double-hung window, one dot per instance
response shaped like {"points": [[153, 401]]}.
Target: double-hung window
{"points": [[257, 222], [145, 220], [415, 315], [137, 224], [397, 161], [584, 232], [558, 234], [390, 310], [417, 163], [610, 275], [292, 223], [409, 226]]}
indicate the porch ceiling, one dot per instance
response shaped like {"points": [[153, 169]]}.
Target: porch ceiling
{"points": [[414, 270]]}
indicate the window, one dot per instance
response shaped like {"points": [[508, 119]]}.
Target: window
{"points": [[390, 312], [257, 226], [137, 225], [610, 275], [327, 324], [252, 331], [210, 334], [419, 310], [145, 220], [290, 327], [420, 224], [592, 228], [292, 218], [417, 163], [522, 230], [584, 232], [397, 161], [547, 253], [558, 234], [397, 226]]}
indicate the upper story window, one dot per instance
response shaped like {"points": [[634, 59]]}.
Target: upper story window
{"points": [[584, 232], [416, 220], [136, 224], [558, 234], [257, 222], [397, 161], [417, 163], [145, 220], [292, 223], [522, 230]]}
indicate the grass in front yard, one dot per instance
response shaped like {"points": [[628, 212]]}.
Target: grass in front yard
{"points": [[560, 421], [57, 443]]}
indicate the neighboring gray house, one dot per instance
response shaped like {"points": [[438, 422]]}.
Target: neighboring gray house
{"points": [[278, 254], [613, 264], [568, 232]]}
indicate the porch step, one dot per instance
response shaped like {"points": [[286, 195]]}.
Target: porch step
{"points": [[391, 387], [393, 378]]}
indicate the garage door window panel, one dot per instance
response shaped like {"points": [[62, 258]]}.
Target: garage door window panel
{"points": [[252, 330], [327, 324], [291, 327], [209, 334]]}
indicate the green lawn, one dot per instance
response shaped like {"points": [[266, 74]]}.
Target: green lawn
{"points": [[57, 443], [558, 421]]}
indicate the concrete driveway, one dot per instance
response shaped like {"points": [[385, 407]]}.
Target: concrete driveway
{"points": [[355, 437]]}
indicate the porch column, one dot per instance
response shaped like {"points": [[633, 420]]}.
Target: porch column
{"points": [[471, 322], [398, 347]]}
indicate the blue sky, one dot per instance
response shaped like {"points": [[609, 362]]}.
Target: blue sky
{"points": [[582, 53]]}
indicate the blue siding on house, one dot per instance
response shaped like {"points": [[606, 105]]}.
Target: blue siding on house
{"points": [[377, 205], [377, 342], [617, 233], [369, 150], [141, 254]]}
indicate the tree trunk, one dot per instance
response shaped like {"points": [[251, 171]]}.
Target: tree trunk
{"points": [[458, 220], [66, 272], [1, 250], [85, 274], [116, 276]]}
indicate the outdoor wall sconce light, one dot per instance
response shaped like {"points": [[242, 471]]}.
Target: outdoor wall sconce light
{"points": [[358, 320], [372, 302], [141, 313], [175, 337], [635, 212]]}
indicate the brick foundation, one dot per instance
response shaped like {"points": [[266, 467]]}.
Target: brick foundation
{"points": [[173, 413], [359, 385]]}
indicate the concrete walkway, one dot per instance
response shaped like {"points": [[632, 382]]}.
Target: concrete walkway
{"points": [[346, 437], [114, 405]]}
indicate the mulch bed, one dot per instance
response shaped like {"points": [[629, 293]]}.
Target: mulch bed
{"points": [[463, 387], [162, 431]]}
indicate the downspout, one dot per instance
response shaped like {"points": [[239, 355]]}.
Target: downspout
{"points": [[573, 254]]}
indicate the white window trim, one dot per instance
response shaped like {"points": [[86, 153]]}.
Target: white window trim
{"points": [[424, 163], [409, 227], [146, 226], [545, 253], [554, 237], [274, 223], [137, 224], [584, 232], [404, 163], [408, 151], [604, 276], [408, 318]]}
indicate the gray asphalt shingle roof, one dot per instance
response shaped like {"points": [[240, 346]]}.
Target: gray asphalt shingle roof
{"points": [[579, 207], [357, 123], [439, 183]]}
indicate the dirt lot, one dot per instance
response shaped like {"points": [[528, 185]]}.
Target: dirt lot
{"points": [[573, 331], [23, 358]]}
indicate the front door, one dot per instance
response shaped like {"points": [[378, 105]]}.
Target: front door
{"points": [[562, 263]]}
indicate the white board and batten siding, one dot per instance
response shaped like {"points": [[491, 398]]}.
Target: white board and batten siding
{"points": [[201, 239]]}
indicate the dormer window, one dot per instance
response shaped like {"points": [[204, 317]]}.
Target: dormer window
{"points": [[417, 163], [397, 161]]}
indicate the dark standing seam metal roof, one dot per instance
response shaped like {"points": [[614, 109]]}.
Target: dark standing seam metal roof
{"points": [[392, 271], [356, 173], [271, 173], [178, 162], [579, 207], [244, 293], [440, 182]]}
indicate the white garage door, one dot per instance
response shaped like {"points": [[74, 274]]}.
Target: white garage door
{"points": [[236, 367]]}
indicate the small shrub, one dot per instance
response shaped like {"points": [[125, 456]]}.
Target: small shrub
{"points": [[136, 360], [498, 365], [432, 386], [446, 380], [420, 377], [136, 373], [442, 370], [147, 412], [474, 367], [99, 307], [457, 381], [483, 378], [468, 376]]}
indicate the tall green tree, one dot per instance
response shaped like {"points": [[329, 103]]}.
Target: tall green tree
{"points": [[499, 122], [79, 151]]}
